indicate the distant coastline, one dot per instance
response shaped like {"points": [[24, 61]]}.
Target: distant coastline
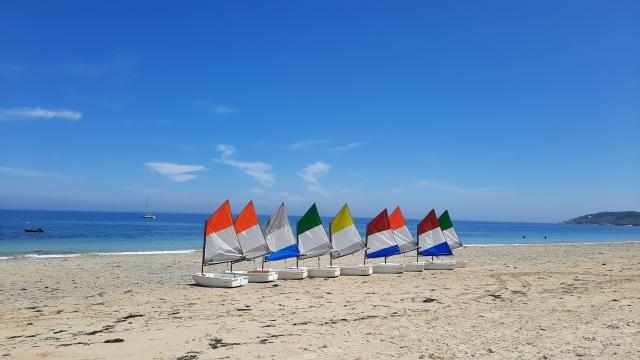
{"points": [[611, 218]]}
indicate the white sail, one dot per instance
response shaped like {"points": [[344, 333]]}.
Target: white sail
{"points": [[344, 235], [279, 237], [221, 243]]}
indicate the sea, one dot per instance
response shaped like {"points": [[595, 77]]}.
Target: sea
{"points": [[74, 233]]}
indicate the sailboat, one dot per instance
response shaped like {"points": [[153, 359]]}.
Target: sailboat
{"points": [[252, 243], [346, 240], [431, 242], [404, 239], [147, 214], [381, 243], [313, 242], [220, 245], [450, 235], [283, 245]]}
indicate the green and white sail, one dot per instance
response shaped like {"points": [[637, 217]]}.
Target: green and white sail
{"points": [[312, 239], [345, 238], [448, 231]]}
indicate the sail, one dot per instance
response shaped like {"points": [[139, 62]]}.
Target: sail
{"points": [[312, 239], [249, 234], [401, 232], [279, 237], [344, 235], [380, 241], [449, 232], [221, 243], [431, 241]]}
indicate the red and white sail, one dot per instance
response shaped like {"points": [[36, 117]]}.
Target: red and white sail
{"points": [[401, 232], [249, 234], [221, 242]]}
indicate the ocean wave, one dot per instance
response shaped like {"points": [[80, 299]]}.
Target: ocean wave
{"points": [[47, 256], [144, 252], [5, 257]]}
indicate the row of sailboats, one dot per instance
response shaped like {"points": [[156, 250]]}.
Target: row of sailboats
{"points": [[229, 241]]}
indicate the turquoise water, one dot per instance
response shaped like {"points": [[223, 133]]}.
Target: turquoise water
{"points": [[74, 232]]}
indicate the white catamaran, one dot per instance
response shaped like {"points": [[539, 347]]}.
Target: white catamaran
{"points": [[381, 243], [346, 240], [404, 239], [147, 214], [313, 242], [220, 245], [283, 245]]}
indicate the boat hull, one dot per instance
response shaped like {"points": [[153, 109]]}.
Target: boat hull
{"points": [[291, 273], [324, 272], [459, 264], [439, 265], [220, 280], [356, 270], [414, 267], [257, 276], [389, 268]]}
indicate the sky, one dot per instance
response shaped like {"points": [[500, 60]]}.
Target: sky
{"points": [[497, 111]]}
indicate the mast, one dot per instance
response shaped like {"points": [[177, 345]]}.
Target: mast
{"points": [[298, 245], [418, 243], [204, 242], [330, 242], [146, 208]]}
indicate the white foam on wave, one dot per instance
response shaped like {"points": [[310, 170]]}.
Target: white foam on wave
{"points": [[145, 252], [5, 257], [48, 256]]}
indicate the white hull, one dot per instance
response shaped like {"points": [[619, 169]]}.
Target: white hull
{"points": [[324, 272], [291, 273], [414, 267], [459, 264], [439, 265], [356, 270], [257, 276], [220, 280], [389, 268]]}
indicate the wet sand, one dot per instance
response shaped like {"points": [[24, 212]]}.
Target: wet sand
{"points": [[533, 302]]}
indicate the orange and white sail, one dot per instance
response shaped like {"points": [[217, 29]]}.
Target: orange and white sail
{"points": [[401, 232], [221, 242], [249, 234]]}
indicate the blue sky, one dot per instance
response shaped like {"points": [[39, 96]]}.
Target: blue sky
{"points": [[497, 111]]}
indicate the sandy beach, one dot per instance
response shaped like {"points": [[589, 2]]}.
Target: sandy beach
{"points": [[533, 302]]}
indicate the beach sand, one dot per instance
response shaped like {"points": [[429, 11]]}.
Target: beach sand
{"points": [[532, 302]]}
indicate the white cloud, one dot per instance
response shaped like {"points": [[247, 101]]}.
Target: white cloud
{"points": [[257, 191], [437, 186], [396, 190], [222, 109], [39, 113], [258, 170], [20, 172], [175, 172], [311, 173], [305, 144], [351, 145]]}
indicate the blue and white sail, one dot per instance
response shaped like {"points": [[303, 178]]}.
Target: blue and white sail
{"points": [[380, 240], [279, 237]]}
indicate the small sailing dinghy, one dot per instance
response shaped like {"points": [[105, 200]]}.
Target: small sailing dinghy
{"points": [[282, 244], [252, 244], [220, 245], [404, 239], [381, 243], [451, 236], [346, 240], [313, 242], [431, 242]]}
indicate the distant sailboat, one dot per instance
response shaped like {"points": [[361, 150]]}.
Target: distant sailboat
{"points": [[252, 244], [147, 214], [283, 245], [431, 242], [346, 240], [313, 242], [404, 239], [220, 245], [381, 243]]}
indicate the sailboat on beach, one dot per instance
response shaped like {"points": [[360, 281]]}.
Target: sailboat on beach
{"points": [[283, 245], [381, 243], [220, 245], [252, 244], [313, 242], [451, 236], [346, 240], [431, 242], [404, 239]]}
